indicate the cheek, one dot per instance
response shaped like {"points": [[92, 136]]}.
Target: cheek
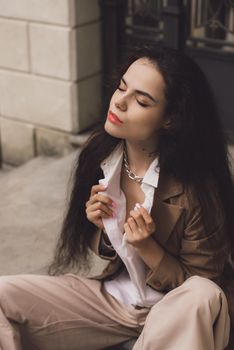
{"points": [[157, 119], [149, 122], [139, 131]]}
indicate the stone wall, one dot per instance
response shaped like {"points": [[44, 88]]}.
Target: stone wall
{"points": [[50, 74]]}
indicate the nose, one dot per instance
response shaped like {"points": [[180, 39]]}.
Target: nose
{"points": [[121, 104]]}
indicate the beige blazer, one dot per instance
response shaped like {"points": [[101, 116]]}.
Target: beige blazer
{"points": [[190, 249]]}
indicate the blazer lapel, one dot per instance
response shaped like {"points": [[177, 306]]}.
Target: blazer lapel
{"points": [[164, 213]]}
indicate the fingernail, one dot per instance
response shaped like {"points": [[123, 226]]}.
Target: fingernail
{"points": [[138, 206], [113, 215], [114, 204]]}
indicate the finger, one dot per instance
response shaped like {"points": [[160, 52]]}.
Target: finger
{"points": [[101, 198], [132, 224], [100, 206], [97, 188], [101, 214], [128, 231], [138, 219], [146, 216], [96, 215], [133, 233]]}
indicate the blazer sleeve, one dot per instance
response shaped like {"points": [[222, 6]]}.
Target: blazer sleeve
{"points": [[203, 252], [101, 247]]}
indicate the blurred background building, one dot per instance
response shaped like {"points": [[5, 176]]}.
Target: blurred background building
{"points": [[50, 75], [57, 56]]}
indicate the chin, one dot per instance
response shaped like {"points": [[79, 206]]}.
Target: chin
{"points": [[112, 130]]}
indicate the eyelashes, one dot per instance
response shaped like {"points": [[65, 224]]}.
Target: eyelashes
{"points": [[140, 103], [118, 88]]}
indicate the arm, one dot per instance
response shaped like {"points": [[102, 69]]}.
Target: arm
{"points": [[101, 245], [202, 252]]}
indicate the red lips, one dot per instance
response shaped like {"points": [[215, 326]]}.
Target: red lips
{"points": [[113, 118]]}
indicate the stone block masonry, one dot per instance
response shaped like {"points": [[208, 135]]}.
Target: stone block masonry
{"points": [[50, 75]]}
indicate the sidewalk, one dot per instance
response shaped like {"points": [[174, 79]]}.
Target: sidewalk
{"points": [[32, 204]]}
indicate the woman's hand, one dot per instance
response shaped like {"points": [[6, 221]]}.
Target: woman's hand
{"points": [[99, 206], [139, 226]]}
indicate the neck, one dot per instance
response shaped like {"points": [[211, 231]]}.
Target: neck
{"points": [[140, 155]]}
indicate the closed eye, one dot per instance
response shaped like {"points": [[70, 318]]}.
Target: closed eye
{"points": [[140, 103]]}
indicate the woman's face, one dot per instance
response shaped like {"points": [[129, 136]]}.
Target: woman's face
{"points": [[137, 107]]}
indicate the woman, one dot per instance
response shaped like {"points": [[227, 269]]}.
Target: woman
{"points": [[153, 195]]}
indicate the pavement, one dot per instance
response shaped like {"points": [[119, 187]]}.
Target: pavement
{"points": [[33, 199]]}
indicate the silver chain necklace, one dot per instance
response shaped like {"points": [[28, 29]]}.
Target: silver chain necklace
{"points": [[129, 172]]}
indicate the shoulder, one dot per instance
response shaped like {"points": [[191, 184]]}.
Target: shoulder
{"points": [[188, 195], [197, 201]]}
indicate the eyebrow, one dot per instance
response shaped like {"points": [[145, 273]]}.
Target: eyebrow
{"points": [[140, 92]]}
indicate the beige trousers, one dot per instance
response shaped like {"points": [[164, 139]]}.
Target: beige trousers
{"points": [[74, 313]]}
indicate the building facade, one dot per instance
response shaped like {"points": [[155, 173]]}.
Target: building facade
{"points": [[50, 75]]}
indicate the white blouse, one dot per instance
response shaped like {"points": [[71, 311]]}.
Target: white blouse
{"points": [[129, 287]]}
